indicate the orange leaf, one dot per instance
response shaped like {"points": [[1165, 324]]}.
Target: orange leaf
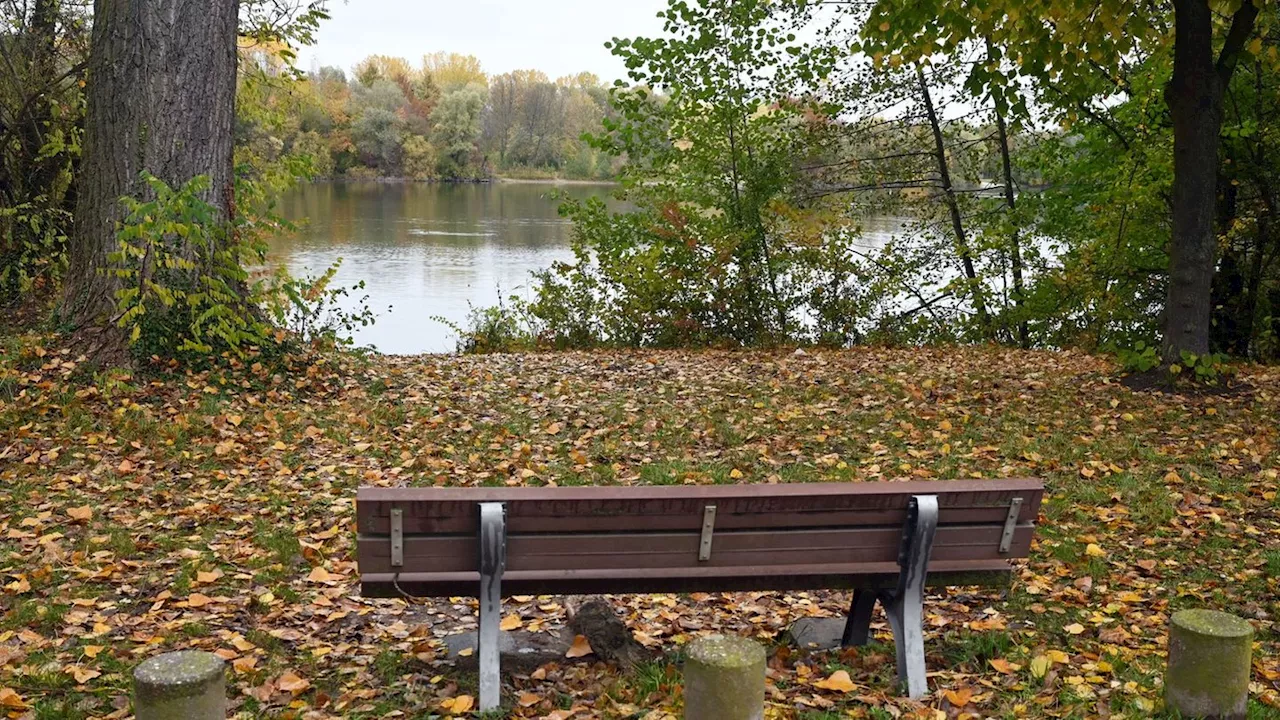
{"points": [[197, 600], [1003, 666], [839, 681], [461, 704], [511, 622], [580, 647], [528, 700], [291, 683], [83, 513], [958, 698], [11, 699]]}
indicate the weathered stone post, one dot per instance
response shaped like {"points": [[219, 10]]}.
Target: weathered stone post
{"points": [[186, 685], [724, 679], [1209, 657]]}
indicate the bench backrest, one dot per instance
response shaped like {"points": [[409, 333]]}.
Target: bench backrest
{"points": [[687, 538]]}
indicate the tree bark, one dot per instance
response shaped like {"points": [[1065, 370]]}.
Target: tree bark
{"points": [[1194, 96], [161, 98], [953, 207], [1015, 239]]}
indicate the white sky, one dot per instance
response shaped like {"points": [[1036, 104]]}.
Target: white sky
{"points": [[559, 37]]}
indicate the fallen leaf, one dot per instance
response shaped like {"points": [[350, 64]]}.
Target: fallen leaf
{"points": [[291, 683], [511, 622], [1040, 666], [196, 600], [580, 647], [83, 513], [462, 704], [319, 574], [11, 699], [838, 681], [958, 698], [1074, 629]]}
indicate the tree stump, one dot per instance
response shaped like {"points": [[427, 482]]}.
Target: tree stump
{"points": [[1209, 665], [186, 685], [724, 679]]}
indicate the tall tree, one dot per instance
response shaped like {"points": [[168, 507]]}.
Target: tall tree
{"points": [[1195, 95], [161, 98]]}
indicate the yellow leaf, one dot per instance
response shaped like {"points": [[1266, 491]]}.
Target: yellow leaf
{"points": [[1095, 550], [1040, 666], [81, 674], [461, 704], [735, 473], [11, 699], [91, 651], [83, 513], [511, 622], [1058, 657], [1074, 629], [580, 647], [245, 664], [319, 574], [839, 681]]}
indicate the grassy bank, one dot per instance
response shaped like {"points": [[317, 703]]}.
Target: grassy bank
{"points": [[143, 513]]}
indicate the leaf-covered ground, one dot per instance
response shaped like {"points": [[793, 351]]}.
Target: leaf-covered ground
{"points": [[156, 512]]}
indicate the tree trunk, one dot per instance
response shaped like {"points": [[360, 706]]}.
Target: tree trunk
{"points": [[1015, 239], [953, 207], [1195, 103], [161, 98]]}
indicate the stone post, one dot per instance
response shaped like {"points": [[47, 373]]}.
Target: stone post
{"points": [[1209, 665], [186, 685], [724, 679]]}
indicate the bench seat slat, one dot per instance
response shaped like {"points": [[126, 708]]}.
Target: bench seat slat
{"points": [[687, 579], [424, 553]]}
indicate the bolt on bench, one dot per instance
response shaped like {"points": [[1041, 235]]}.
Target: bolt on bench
{"points": [[887, 541]]}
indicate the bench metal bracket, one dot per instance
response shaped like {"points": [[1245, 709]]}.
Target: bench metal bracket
{"points": [[1010, 525], [493, 561], [903, 605], [397, 537], [708, 533]]}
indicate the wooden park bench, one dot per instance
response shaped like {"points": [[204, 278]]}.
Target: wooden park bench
{"points": [[887, 541]]}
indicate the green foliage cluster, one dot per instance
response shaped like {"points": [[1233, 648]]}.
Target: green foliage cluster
{"points": [[186, 292]]}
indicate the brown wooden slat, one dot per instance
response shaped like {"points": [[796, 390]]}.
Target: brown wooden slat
{"points": [[688, 579], [588, 509], [745, 549]]}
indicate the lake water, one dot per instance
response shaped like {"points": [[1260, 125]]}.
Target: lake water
{"points": [[427, 250], [434, 250]]}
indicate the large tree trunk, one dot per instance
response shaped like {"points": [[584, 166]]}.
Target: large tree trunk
{"points": [[161, 98], [1195, 103]]}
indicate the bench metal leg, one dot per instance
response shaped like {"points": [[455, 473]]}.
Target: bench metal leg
{"points": [[493, 560], [905, 606], [857, 628]]}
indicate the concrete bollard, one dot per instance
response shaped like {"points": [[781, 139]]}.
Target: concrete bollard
{"points": [[186, 685], [1209, 665], [724, 679]]}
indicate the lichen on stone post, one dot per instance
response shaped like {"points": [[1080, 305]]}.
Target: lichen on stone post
{"points": [[1209, 665], [724, 679], [184, 685]]}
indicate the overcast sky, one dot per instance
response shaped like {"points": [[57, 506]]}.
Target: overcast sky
{"points": [[559, 38]]}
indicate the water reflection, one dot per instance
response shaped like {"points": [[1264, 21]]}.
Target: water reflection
{"points": [[427, 250]]}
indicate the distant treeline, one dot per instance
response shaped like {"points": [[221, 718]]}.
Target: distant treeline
{"points": [[444, 119]]}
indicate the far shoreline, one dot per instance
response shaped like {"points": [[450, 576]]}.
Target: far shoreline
{"points": [[497, 180]]}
